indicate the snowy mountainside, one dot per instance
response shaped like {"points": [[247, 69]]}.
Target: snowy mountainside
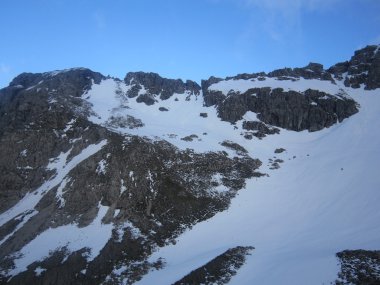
{"points": [[149, 180]]}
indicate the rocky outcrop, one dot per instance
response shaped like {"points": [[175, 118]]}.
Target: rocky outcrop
{"points": [[362, 68], [311, 71], [358, 267], [311, 110], [146, 98], [70, 82], [247, 76], [220, 270], [260, 130], [128, 121], [235, 146], [155, 85], [211, 97]]}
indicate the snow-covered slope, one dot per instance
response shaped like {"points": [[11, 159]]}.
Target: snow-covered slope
{"points": [[140, 178], [181, 119], [323, 199]]}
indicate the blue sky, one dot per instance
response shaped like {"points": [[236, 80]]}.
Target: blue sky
{"points": [[188, 39]]}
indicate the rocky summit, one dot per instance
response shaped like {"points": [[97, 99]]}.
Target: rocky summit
{"points": [[149, 180]]}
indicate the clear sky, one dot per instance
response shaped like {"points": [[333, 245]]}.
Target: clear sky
{"points": [[188, 39]]}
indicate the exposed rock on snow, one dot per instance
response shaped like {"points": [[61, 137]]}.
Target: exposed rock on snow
{"points": [[98, 188], [287, 109], [220, 270], [359, 267], [156, 86], [362, 68]]}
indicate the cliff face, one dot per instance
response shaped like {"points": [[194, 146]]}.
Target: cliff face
{"points": [[362, 68], [311, 110], [147, 86], [295, 99], [129, 165]]}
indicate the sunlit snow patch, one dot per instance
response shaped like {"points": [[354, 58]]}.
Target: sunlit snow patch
{"points": [[71, 237], [299, 85]]}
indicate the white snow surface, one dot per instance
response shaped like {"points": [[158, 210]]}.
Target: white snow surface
{"points": [[70, 236], [56, 72], [39, 270], [102, 167], [321, 202], [182, 119], [60, 192], [299, 85]]}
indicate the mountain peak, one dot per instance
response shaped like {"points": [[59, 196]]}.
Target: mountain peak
{"points": [[157, 85], [73, 81]]}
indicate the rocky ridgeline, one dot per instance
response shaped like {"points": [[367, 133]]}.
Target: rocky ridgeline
{"points": [[362, 68], [311, 110], [156, 86], [69, 82]]}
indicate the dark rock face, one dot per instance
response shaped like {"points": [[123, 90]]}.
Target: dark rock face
{"points": [[148, 99], [261, 129], [189, 138], [156, 85], [362, 68], [311, 71], [31, 129], [128, 121], [359, 267], [247, 76], [311, 110], [211, 97], [220, 270], [235, 146], [134, 91], [71, 82], [279, 150]]}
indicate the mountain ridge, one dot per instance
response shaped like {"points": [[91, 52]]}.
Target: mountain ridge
{"points": [[365, 57], [145, 159]]}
